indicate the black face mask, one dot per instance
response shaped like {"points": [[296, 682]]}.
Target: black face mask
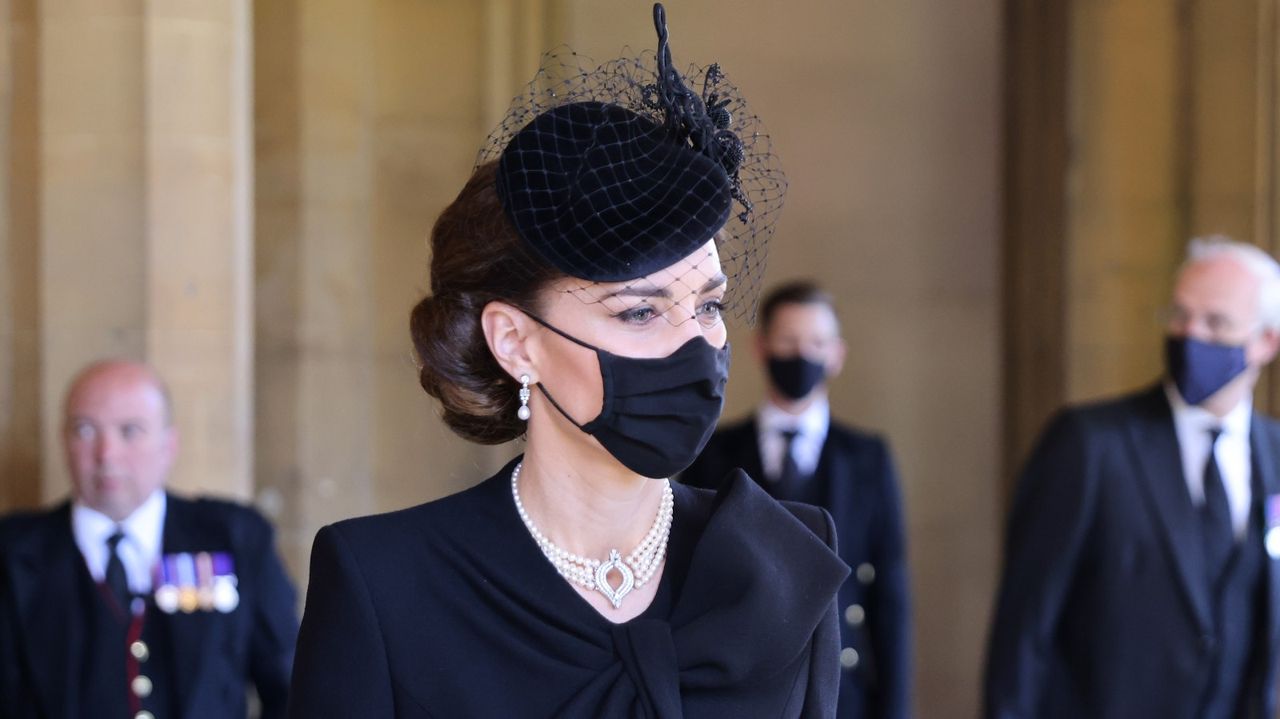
{"points": [[658, 413], [796, 376]]}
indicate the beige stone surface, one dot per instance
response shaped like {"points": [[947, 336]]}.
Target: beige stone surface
{"points": [[242, 192], [127, 224], [886, 120]]}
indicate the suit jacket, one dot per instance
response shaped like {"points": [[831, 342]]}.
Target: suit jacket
{"points": [[854, 481], [42, 622], [1104, 608]]}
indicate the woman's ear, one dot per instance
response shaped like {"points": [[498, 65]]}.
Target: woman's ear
{"points": [[507, 330]]}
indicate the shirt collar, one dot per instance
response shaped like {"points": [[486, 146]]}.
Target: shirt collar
{"points": [[813, 422], [1235, 424], [144, 527]]}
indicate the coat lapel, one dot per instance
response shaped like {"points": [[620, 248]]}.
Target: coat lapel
{"points": [[46, 572], [189, 637], [1263, 446], [1154, 443], [832, 494]]}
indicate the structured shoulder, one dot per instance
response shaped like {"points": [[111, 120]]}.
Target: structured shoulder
{"points": [[1108, 410], [856, 438], [210, 519], [226, 509], [737, 426], [456, 513], [731, 433], [20, 526]]}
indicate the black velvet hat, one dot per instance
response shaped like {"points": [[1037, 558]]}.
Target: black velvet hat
{"points": [[614, 172], [603, 195]]}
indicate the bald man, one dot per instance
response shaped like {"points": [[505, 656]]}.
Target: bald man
{"points": [[1142, 564], [129, 601]]}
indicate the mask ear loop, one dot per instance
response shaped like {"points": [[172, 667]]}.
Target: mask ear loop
{"points": [[569, 337], [556, 404], [541, 387]]}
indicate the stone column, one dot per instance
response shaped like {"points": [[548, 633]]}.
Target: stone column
{"points": [[20, 369], [368, 117], [314, 109], [144, 218], [1170, 119], [199, 230]]}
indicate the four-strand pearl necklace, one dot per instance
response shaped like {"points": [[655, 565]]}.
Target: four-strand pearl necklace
{"points": [[635, 570]]}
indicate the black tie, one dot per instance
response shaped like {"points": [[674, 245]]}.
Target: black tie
{"points": [[790, 474], [117, 581], [1219, 536]]}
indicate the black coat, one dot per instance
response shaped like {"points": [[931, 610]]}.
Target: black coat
{"points": [[449, 609], [214, 655], [1104, 608], [854, 481]]}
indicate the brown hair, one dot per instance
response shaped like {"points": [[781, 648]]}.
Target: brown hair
{"points": [[476, 258], [796, 292]]}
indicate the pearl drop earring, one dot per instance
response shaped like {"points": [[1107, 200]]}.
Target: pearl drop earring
{"points": [[523, 412]]}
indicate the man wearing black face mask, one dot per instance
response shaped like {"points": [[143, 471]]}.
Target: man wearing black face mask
{"points": [[1141, 575], [798, 453]]}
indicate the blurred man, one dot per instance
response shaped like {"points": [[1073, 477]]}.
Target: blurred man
{"points": [[795, 450], [128, 601], [1140, 566]]}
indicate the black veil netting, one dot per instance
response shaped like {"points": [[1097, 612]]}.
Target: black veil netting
{"points": [[614, 172]]}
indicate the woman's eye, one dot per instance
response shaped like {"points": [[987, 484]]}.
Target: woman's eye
{"points": [[711, 308], [636, 315]]}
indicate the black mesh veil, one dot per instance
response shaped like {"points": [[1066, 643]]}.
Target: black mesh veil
{"points": [[614, 172]]}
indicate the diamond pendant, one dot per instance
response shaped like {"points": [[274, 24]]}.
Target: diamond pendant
{"points": [[624, 587]]}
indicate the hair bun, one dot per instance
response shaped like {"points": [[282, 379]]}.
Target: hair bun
{"points": [[476, 258]]}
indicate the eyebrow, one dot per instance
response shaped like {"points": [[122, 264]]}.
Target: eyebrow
{"points": [[663, 292]]}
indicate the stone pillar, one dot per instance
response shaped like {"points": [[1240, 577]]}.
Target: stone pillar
{"points": [[314, 110], [1171, 121], [199, 230], [143, 222], [1127, 205], [368, 120], [20, 370]]}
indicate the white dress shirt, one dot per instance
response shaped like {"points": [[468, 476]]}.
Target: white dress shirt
{"points": [[811, 432], [139, 550], [1235, 458]]}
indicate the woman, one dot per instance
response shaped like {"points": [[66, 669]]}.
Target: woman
{"points": [[577, 291]]}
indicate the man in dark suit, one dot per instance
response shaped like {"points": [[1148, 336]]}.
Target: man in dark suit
{"points": [[128, 601], [793, 448], [1140, 574]]}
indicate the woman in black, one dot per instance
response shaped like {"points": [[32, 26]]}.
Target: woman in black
{"points": [[577, 290]]}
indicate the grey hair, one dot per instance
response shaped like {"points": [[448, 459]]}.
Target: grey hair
{"points": [[1261, 264]]}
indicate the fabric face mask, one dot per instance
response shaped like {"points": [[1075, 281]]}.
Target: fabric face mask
{"points": [[658, 413], [1201, 368], [796, 376]]}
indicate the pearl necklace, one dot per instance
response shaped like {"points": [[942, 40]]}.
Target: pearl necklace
{"points": [[635, 570]]}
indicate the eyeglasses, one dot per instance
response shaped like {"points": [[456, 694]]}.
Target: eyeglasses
{"points": [[1215, 325]]}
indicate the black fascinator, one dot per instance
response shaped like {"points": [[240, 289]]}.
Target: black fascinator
{"points": [[613, 172]]}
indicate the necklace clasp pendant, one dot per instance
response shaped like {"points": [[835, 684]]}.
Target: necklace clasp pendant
{"points": [[602, 579]]}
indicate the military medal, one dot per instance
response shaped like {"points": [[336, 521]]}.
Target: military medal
{"points": [[226, 595], [188, 599], [203, 581], [1272, 537]]}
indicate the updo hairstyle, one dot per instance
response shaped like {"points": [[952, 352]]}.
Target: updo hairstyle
{"points": [[476, 258]]}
